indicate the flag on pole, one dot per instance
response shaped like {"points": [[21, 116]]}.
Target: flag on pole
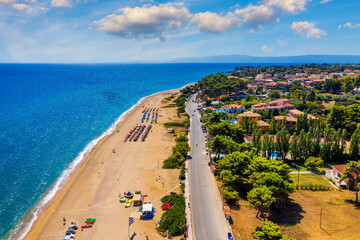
{"points": [[131, 220]]}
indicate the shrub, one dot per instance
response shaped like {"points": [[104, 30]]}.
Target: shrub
{"points": [[182, 174], [174, 161], [182, 187], [313, 163], [173, 220], [314, 187]]}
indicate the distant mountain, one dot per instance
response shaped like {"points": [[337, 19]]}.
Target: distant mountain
{"points": [[341, 59]]}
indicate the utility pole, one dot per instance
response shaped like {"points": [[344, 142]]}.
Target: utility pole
{"points": [[297, 187]]}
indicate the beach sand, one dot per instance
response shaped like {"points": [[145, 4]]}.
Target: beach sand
{"points": [[94, 188]]}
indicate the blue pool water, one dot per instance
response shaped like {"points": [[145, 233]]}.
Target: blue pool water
{"points": [[50, 113], [219, 110]]}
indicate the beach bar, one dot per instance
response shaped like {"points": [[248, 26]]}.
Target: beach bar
{"points": [[138, 200], [148, 211]]}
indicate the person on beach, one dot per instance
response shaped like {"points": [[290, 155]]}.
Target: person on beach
{"points": [[64, 221]]}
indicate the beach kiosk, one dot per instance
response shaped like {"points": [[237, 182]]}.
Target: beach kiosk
{"points": [[148, 211], [138, 200]]}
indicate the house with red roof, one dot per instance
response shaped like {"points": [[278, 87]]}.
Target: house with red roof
{"points": [[336, 173], [233, 108], [270, 86]]}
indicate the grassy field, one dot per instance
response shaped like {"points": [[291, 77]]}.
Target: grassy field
{"points": [[309, 178], [298, 214]]}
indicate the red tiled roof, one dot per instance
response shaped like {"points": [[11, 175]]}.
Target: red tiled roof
{"points": [[229, 106], [259, 105], [339, 168], [288, 105], [285, 83], [270, 84]]}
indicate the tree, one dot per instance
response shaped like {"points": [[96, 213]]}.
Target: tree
{"points": [[259, 166], [238, 134], [230, 194], [332, 85], [222, 128], [313, 163], [354, 149], [347, 84], [337, 116], [352, 117], [294, 148], [351, 174], [269, 231], [236, 163], [282, 145], [261, 198], [218, 145], [274, 182], [214, 117], [274, 94], [174, 161], [181, 147], [182, 138]]}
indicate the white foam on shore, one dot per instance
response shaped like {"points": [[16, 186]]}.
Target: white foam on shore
{"points": [[24, 228]]}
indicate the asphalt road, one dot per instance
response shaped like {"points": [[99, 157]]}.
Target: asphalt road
{"points": [[209, 222]]}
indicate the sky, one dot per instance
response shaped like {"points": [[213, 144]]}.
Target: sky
{"points": [[102, 31]]}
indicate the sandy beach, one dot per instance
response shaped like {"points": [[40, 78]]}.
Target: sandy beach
{"points": [[93, 190]]}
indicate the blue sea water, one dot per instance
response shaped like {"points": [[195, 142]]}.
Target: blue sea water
{"points": [[50, 112]]}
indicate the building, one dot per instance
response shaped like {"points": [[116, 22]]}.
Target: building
{"points": [[290, 121], [295, 113], [263, 125], [270, 86], [233, 108], [336, 173], [258, 106], [280, 104], [286, 86], [251, 116]]}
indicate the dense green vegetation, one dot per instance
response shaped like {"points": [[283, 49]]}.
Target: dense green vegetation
{"points": [[248, 71], [180, 151], [269, 231], [215, 85], [173, 220]]}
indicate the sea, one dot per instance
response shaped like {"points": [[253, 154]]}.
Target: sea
{"points": [[52, 115]]}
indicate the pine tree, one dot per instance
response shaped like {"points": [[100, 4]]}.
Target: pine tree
{"points": [[354, 145]]}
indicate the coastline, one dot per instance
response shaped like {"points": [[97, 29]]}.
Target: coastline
{"points": [[67, 176], [46, 206]]}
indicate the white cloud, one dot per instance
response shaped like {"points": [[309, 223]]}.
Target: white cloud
{"points": [[147, 21], [350, 25], [26, 8], [266, 49], [282, 43], [6, 2], [214, 23], [325, 1], [60, 3], [257, 15], [307, 29], [288, 6]]}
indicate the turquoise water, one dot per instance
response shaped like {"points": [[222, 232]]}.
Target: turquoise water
{"points": [[50, 113]]}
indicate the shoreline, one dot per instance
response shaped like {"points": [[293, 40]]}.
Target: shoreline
{"points": [[41, 211]]}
